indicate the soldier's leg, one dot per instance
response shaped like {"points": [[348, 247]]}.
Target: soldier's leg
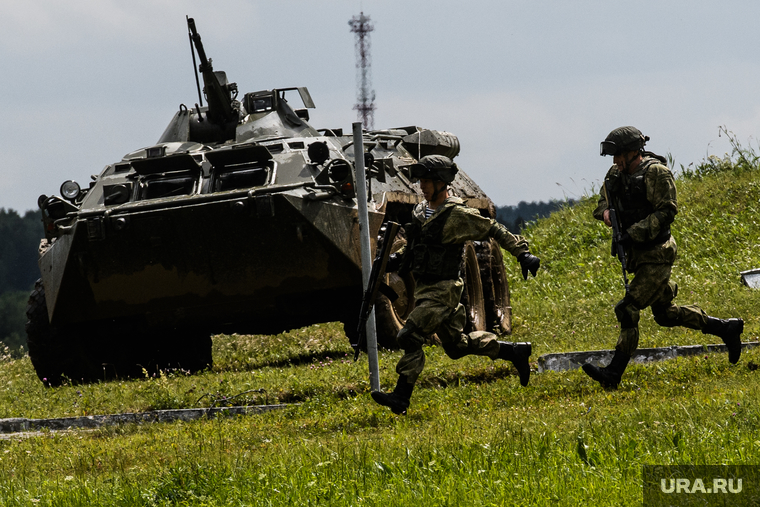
{"points": [[424, 320], [457, 344], [412, 362], [408, 368], [668, 314], [421, 323], [627, 312]]}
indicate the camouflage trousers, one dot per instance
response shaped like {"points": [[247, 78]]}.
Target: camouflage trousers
{"points": [[651, 286], [439, 311]]}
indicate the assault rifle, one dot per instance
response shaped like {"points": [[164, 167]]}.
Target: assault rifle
{"points": [[617, 247], [375, 285]]}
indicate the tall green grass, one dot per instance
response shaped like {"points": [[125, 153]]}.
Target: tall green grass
{"points": [[473, 436]]}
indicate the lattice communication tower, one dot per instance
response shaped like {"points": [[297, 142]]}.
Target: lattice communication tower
{"points": [[365, 96]]}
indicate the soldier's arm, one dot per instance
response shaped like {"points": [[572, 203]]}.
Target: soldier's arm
{"points": [[661, 192], [517, 246], [512, 243], [467, 224], [601, 205]]}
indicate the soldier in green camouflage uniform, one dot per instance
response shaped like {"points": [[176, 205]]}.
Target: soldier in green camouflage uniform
{"points": [[641, 190], [436, 237]]}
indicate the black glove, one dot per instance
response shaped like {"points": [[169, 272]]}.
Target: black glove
{"points": [[394, 262], [528, 262]]}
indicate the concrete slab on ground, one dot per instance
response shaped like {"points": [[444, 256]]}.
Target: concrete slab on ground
{"points": [[751, 278], [20, 424], [573, 360]]}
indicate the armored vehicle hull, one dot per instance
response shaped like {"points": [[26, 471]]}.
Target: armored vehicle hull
{"points": [[241, 218]]}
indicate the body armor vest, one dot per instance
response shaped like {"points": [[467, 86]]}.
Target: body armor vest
{"points": [[629, 198], [426, 256]]}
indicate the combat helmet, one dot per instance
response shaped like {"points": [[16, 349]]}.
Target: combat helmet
{"points": [[434, 167], [623, 139]]}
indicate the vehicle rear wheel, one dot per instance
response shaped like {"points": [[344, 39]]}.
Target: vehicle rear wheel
{"points": [[472, 296], [495, 287]]}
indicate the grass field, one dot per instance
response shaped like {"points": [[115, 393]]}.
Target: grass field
{"points": [[473, 436]]}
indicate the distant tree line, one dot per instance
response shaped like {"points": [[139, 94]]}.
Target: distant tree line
{"points": [[19, 240], [515, 218]]}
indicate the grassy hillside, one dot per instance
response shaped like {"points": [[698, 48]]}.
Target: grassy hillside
{"points": [[473, 436]]}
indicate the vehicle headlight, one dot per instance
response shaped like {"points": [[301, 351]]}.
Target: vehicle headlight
{"points": [[70, 190]]}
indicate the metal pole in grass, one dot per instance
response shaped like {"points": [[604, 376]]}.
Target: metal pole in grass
{"points": [[361, 197]]}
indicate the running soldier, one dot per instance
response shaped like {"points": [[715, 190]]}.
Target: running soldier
{"points": [[435, 240], [640, 189]]}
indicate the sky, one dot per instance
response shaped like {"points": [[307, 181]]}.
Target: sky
{"points": [[530, 88]]}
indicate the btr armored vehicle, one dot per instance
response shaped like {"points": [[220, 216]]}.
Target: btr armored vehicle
{"points": [[241, 218]]}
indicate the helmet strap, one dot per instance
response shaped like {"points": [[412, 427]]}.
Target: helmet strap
{"points": [[434, 197], [627, 160]]}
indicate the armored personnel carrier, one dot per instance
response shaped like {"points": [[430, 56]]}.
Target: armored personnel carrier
{"points": [[241, 218]]}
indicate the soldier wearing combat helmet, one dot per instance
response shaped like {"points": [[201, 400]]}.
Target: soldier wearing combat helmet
{"points": [[433, 253], [641, 190]]}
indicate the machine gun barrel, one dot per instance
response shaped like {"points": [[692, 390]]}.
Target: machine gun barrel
{"points": [[196, 38], [219, 93]]}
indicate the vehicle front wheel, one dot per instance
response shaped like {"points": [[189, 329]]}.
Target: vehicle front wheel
{"points": [[56, 354]]}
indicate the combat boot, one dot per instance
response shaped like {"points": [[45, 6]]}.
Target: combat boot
{"points": [[609, 376], [729, 331], [517, 354], [398, 400]]}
